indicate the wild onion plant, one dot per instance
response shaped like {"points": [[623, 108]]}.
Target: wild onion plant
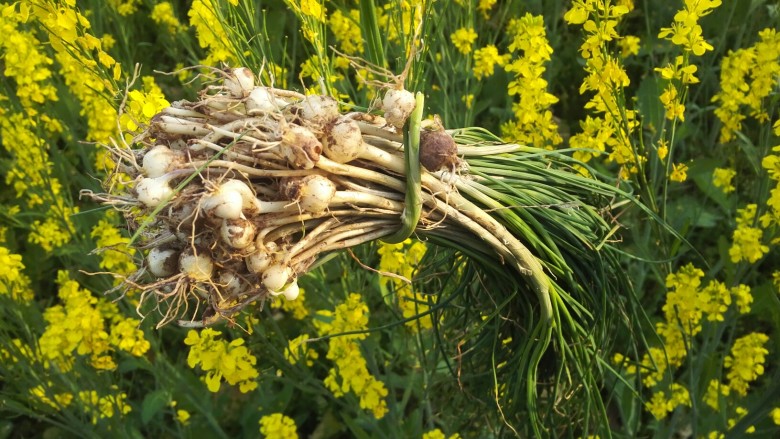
{"points": [[234, 196]]}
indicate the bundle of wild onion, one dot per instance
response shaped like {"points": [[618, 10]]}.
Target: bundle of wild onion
{"points": [[236, 195]]}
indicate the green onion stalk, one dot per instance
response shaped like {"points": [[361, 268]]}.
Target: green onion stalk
{"points": [[235, 196]]}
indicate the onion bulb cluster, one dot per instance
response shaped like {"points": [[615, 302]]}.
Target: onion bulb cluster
{"points": [[236, 195]]}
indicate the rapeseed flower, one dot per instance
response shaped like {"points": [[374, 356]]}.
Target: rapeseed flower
{"points": [[351, 371], [722, 178], [746, 361], [164, 16], [746, 240], [533, 124], [463, 39], [486, 59], [220, 359], [278, 426]]}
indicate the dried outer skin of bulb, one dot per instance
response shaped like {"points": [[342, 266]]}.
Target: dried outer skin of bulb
{"points": [[300, 147], [231, 284], [438, 150]]}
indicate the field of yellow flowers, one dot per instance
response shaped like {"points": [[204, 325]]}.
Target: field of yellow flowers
{"points": [[675, 104]]}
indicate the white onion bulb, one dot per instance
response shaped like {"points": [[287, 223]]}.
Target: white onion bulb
{"points": [[319, 109], [153, 191], [226, 204], [260, 100], [275, 277], [343, 141], [315, 193], [292, 291], [398, 105], [239, 82], [238, 233], [158, 161], [230, 282], [249, 200], [162, 262], [197, 266]]}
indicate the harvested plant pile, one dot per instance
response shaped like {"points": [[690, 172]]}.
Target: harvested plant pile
{"points": [[233, 197]]}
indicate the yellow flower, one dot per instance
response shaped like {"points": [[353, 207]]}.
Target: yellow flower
{"points": [[221, 360], [164, 16], [746, 361], [463, 39], [278, 426], [679, 172], [351, 371], [485, 6], [313, 8], [486, 59], [775, 414], [346, 29], [183, 416], [722, 178], [746, 240]]}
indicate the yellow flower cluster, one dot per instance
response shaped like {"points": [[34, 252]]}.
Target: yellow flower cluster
{"points": [[660, 405], [101, 407], [346, 30], [13, 282], [402, 260], [165, 17], [438, 434], [686, 33], [533, 124], [278, 426], [142, 105], [612, 124], [746, 361], [56, 401], [350, 372], [23, 61], [772, 164], [747, 76], [486, 59], [722, 178], [221, 359], [211, 35], [746, 241], [124, 7], [688, 304], [463, 39], [297, 351], [484, 6], [115, 255], [81, 55], [79, 325]]}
